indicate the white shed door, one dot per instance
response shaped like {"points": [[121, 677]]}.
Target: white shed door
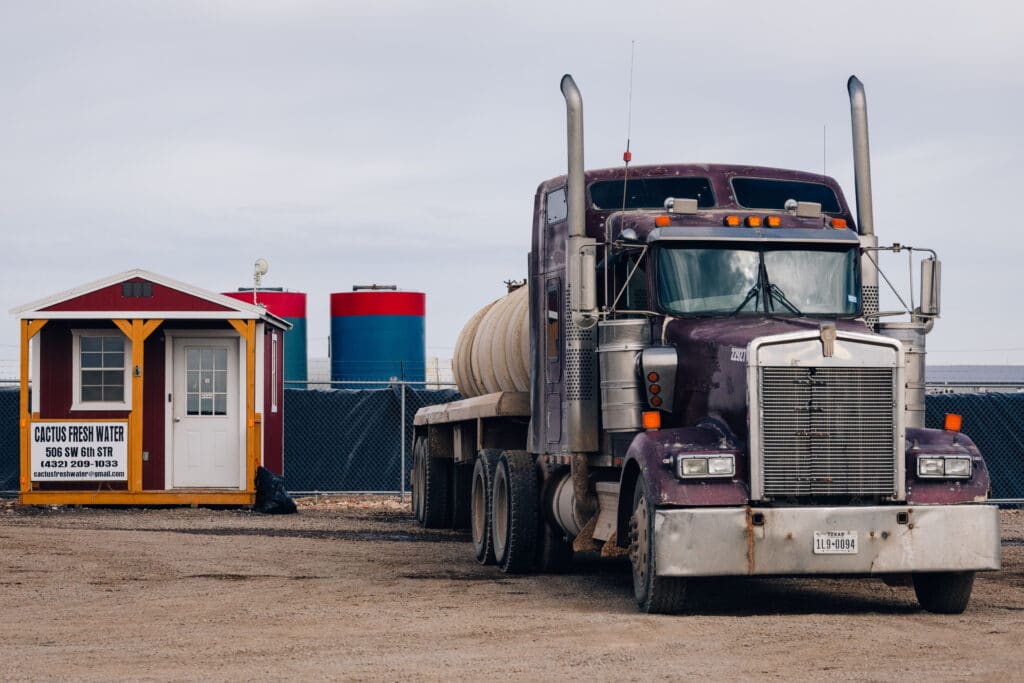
{"points": [[205, 414]]}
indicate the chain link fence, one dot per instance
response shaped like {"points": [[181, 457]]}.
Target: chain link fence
{"points": [[995, 422], [353, 436], [350, 437]]}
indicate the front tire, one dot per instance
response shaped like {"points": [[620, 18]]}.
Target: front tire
{"points": [[944, 592], [514, 512], [654, 594]]}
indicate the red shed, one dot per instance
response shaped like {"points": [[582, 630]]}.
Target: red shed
{"points": [[148, 391]]}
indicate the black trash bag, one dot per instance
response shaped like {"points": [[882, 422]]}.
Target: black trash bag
{"points": [[271, 496]]}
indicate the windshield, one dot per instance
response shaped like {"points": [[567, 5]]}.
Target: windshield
{"points": [[745, 279]]}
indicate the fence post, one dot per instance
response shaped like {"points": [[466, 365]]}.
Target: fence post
{"points": [[402, 431]]}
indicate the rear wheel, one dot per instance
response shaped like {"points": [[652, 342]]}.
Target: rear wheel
{"points": [[416, 478], [514, 510], [435, 497], [480, 505], [654, 594], [944, 592]]}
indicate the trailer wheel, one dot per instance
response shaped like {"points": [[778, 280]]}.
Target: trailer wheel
{"points": [[416, 477], [480, 505], [435, 500], [654, 594], [514, 509], [944, 592]]}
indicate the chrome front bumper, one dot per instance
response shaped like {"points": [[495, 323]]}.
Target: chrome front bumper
{"points": [[728, 542]]}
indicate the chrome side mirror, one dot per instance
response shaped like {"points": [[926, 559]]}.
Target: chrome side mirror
{"points": [[931, 287], [581, 264]]}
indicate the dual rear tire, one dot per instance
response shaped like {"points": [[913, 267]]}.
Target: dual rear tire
{"points": [[508, 527], [430, 480], [514, 512]]}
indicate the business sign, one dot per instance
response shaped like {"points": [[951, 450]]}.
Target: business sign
{"points": [[79, 451]]}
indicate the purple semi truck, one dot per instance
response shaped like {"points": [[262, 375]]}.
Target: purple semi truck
{"points": [[697, 373]]}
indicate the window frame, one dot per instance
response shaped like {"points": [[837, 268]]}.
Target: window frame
{"points": [[76, 372], [828, 211]]}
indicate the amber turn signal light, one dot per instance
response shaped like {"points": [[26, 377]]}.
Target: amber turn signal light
{"points": [[954, 422], [839, 223], [662, 221], [652, 419]]}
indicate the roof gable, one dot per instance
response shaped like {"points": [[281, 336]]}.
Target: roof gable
{"points": [[141, 292]]}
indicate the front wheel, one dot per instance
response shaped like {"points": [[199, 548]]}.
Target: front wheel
{"points": [[944, 592], [654, 594]]}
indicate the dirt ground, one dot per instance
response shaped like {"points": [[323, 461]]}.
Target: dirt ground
{"points": [[351, 588]]}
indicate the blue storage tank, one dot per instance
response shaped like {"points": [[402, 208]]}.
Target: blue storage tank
{"points": [[290, 306], [377, 334]]}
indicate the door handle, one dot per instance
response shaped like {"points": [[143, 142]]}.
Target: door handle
{"points": [[177, 419]]}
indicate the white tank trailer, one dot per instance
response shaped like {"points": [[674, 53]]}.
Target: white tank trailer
{"points": [[697, 374]]}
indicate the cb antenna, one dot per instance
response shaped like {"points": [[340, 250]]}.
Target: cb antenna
{"points": [[627, 156]]}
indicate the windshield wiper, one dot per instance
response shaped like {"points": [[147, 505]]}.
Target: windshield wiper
{"points": [[762, 284], [754, 291], [776, 293]]}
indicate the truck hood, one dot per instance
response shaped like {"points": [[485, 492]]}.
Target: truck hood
{"points": [[712, 373]]}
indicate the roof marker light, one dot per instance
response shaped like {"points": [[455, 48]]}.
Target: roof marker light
{"points": [[954, 422], [753, 221], [662, 221], [773, 221], [732, 221], [839, 223]]}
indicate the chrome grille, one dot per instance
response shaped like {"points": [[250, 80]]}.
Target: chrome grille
{"points": [[828, 431]]}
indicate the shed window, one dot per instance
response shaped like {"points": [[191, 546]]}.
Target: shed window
{"points": [[101, 379]]}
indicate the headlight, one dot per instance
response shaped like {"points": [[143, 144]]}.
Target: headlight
{"points": [[944, 466], [693, 466]]}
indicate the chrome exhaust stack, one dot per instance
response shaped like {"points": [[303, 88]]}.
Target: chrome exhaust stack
{"points": [[580, 407], [574, 130], [910, 334], [865, 213]]}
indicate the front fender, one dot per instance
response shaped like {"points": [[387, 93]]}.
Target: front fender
{"points": [[944, 491], [646, 459]]}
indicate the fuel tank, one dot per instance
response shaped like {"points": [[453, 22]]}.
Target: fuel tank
{"points": [[492, 352]]}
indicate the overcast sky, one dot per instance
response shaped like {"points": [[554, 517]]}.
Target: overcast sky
{"points": [[401, 142]]}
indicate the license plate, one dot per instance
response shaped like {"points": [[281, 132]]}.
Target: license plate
{"points": [[835, 542]]}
